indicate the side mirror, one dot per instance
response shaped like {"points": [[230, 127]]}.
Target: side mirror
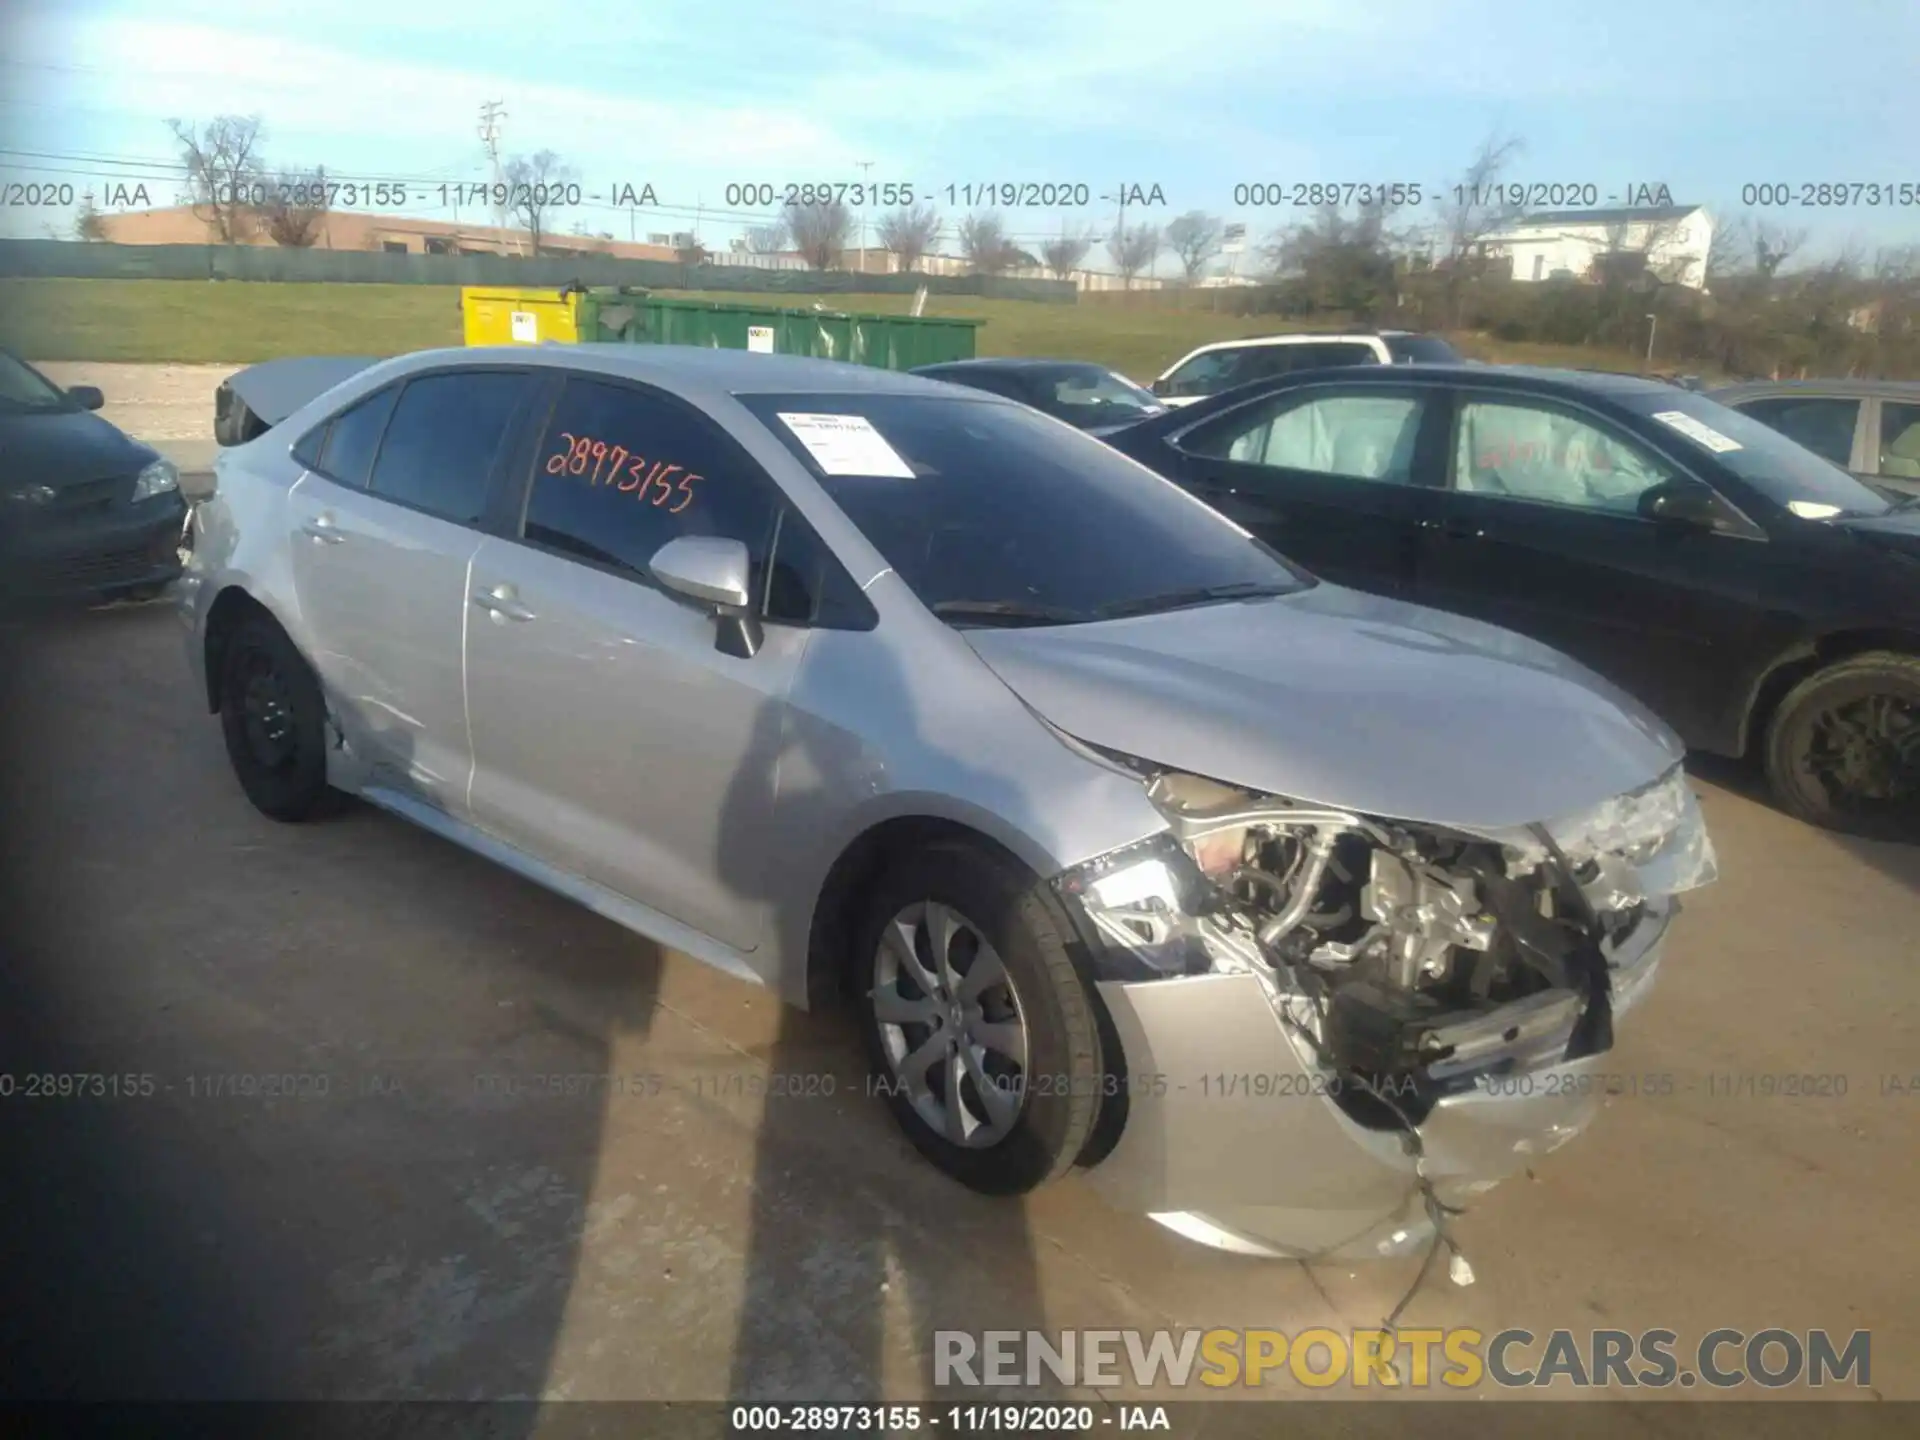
{"points": [[87, 397], [716, 574], [1681, 502], [1162, 387]]}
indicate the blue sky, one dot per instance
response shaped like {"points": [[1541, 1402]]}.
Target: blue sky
{"points": [[1702, 95]]}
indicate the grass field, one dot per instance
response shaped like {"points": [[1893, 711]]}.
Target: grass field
{"points": [[195, 321]]}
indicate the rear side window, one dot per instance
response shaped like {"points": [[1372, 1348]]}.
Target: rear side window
{"points": [[622, 471], [1313, 357], [348, 443], [439, 450], [1421, 350]]}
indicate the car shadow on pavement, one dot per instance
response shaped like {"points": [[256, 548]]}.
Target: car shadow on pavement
{"points": [[1894, 859], [293, 1155]]}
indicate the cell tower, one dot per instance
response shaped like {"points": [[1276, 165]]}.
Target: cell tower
{"points": [[492, 112]]}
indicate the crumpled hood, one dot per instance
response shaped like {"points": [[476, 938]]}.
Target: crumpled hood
{"points": [[1347, 699]]}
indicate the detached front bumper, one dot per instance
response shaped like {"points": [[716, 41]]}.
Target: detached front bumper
{"points": [[1234, 1135]]}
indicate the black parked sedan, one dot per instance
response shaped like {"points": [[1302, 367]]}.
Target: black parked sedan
{"points": [[85, 512], [1087, 396], [1762, 600]]}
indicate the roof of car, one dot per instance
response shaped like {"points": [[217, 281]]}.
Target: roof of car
{"points": [[1845, 389], [689, 369], [1005, 362], [1303, 337], [1498, 377]]}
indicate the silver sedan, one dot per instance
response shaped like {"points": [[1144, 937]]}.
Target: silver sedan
{"points": [[1294, 917]]}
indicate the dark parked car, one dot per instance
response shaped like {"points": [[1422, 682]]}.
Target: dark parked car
{"points": [[1871, 427], [1087, 396], [1762, 600], [85, 512]]}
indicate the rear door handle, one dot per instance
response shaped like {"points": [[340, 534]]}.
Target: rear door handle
{"points": [[322, 529], [500, 603]]}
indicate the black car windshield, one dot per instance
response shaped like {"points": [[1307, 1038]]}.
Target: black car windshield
{"points": [[1786, 472], [1087, 395], [23, 391], [1421, 350], [995, 515]]}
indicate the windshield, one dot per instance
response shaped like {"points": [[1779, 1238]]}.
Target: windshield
{"points": [[1421, 350], [1086, 395], [1787, 473], [23, 391], [1010, 519]]}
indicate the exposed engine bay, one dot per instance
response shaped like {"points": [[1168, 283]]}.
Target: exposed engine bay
{"points": [[1413, 960]]}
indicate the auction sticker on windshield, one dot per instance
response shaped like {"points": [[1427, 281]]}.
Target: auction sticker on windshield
{"points": [[1696, 431], [847, 445]]}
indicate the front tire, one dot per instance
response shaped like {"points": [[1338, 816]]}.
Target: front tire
{"points": [[274, 720], [979, 1029], [1843, 750]]}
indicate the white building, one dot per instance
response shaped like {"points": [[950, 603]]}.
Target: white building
{"points": [[1565, 244]]}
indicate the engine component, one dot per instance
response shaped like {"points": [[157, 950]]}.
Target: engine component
{"points": [[1427, 913]]}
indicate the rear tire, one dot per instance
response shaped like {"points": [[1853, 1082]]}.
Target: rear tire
{"points": [[274, 720], [1006, 1027], [1843, 749]]}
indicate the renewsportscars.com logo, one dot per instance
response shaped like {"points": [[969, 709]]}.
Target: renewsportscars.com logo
{"points": [[1459, 1358]]}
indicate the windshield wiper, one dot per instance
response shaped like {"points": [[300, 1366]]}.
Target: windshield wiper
{"points": [[1200, 595], [1007, 612]]}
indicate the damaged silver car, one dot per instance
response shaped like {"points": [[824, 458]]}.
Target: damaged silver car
{"points": [[1293, 917]]}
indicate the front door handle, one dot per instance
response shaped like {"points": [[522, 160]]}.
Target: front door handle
{"points": [[1455, 529], [323, 530], [500, 603]]}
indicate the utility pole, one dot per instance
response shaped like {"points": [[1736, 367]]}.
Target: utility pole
{"points": [[865, 167], [492, 112]]}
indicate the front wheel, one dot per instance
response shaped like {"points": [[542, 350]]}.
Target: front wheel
{"points": [[980, 1032], [274, 720], [1843, 750]]}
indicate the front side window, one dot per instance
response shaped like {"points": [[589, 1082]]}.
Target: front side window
{"points": [[1337, 352], [1900, 439], [995, 514], [1422, 349], [1359, 437], [439, 448], [622, 471], [1086, 396], [1823, 424], [1525, 451]]}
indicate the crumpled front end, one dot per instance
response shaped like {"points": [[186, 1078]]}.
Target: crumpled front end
{"points": [[1334, 1028]]}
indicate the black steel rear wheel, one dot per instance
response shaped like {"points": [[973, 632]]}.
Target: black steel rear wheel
{"points": [[1843, 750]]}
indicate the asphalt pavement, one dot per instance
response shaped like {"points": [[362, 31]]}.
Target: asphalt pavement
{"points": [[313, 1183]]}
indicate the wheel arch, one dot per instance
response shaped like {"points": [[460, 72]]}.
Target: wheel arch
{"points": [[231, 607], [860, 863], [1805, 658]]}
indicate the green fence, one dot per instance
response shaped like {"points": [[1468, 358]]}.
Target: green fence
{"points": [[82, 260]]}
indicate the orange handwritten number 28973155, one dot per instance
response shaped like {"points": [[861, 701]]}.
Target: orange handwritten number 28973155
{"points": [[601, 463]]}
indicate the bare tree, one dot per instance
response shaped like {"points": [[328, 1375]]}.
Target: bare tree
{"points": [[984, 243], [536, 187], [297, 202], [1341, 262], [820, 231], [1065, 254], [1194, 239], [909, 233], [225, 176], [1133, 249], [89, 223], [1479, 205], [767, 239]]}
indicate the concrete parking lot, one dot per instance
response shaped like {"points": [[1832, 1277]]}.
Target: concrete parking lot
{"points": [[399, 1228]]}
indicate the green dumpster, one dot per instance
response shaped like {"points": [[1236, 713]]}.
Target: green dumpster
{"points": [[887, 342]]}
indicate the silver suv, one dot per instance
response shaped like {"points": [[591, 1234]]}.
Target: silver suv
{"points": [[1227, 363], [1293, 915]]}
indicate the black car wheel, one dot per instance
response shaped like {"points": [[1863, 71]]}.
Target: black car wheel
{"points": [[979, 1029], [274, 720], [1844, 748]]}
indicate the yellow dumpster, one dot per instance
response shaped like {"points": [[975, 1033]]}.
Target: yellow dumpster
{"points": [[511, 315]]}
